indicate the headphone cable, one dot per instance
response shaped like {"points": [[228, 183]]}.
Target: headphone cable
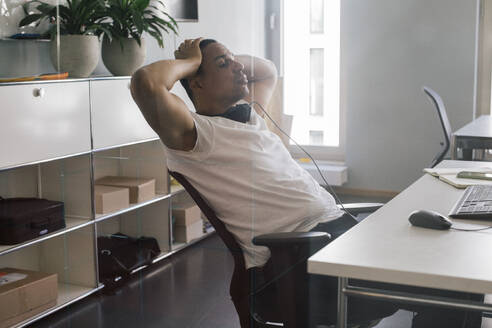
{"points": [[309, 155]]}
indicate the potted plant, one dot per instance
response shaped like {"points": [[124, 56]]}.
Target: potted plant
{"points": [[123, 48], [74, 40]]}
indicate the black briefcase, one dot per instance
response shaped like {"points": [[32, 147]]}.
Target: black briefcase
{"points": [[23, 219], [119, 255]]}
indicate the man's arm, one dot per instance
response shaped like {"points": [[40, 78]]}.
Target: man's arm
{"points": [[165, 112], [262, 78]]}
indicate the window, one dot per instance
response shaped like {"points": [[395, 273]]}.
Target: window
{"points": [[311, 66], [315, 137], [316, 82], [317, 17]]}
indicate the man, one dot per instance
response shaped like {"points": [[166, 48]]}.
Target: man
{"points": [[225, 149], [240, 167]]}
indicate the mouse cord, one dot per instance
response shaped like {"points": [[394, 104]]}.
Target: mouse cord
{"points": [[480, 229], [309, 155]]}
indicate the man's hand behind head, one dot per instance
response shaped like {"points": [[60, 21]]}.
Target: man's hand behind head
{"points": [[190, 49]]}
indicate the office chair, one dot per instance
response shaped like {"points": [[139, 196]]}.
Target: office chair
{"points": [[278, 292], [446, 126]]}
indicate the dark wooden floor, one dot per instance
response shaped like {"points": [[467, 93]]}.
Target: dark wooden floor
{"points": [[188, 290]]}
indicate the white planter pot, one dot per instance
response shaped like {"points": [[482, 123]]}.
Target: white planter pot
{"points": [[78, 54], [123, 62], [24, 58]]}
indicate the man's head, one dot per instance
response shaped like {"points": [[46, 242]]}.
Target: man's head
{"points": [[219, 81]]}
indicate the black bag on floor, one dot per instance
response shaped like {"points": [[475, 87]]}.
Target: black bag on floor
{"points": [[119, 255], [22, 219]]}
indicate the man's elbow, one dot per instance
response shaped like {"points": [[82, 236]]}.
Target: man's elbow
{"points": [[140, 84]]}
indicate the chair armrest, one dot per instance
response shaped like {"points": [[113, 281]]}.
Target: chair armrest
{"points": [[291, 238], [358, 208]]}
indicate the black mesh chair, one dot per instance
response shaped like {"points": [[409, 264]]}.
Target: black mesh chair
{"points": [[446, 126], [276, 294]]}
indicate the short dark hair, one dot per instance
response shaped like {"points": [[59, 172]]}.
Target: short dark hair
{"points": [[184, 82]]}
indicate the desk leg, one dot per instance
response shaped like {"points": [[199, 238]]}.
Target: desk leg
{"points": [[467, 154], [342, 303], [454, 148]]}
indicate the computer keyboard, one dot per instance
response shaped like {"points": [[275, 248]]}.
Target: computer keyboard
{"points": [[476, 203]]}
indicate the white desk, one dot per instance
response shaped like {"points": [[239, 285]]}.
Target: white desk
{"points": [[386, 248], [475, 135]]}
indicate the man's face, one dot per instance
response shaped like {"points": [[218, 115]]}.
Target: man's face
{"points": [[221, 78]]}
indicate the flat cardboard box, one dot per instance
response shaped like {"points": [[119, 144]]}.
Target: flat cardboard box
{"points": [[185, 215], [21, 299], [185, 234], [141, 189], [109, 199]]}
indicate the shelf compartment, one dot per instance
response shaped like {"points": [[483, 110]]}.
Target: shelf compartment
{"points": [[179, 246], [146, 160], [176, 189], [127, 122], [176, 247], [71, 224], [54, 121], [67, 294], [70, 255], [66, 180], [132, 207], [148, 221]]}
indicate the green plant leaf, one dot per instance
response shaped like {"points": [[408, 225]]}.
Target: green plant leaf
{"points": [[139, 23], [158, 37], [141, 4], [106, 33], [29, 19], [131, 18], [45, 8]]}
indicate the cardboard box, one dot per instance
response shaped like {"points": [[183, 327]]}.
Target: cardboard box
{"points": [[185, 234], [141, 189], [25, 293], [109, 199], [185, 215]]}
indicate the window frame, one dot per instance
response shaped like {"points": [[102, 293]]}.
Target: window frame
{"points": [[326, 153]]}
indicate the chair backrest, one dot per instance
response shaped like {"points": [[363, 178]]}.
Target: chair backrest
{"points": [[240, 283], [446, 126]]}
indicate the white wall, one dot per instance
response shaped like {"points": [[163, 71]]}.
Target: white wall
{"points": [[238, 24], [390, 48]]}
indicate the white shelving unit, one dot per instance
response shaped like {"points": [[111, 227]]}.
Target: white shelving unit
{"points": [[62, 137]]}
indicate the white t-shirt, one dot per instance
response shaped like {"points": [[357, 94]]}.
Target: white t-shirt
{"points": [[248, 177]]}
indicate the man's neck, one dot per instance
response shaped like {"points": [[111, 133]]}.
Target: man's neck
{"points": [[213, 109]]}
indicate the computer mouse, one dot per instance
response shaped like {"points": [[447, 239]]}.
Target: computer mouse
{"points": [[429, 219]]}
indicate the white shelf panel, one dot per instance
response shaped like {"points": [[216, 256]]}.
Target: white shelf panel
{"points": [[176, 189], [19, 165], [158, 197], [71, 224], [136, 142], [178, 246], [127, 122], [67, 294], [60, 114], [161, 256]]}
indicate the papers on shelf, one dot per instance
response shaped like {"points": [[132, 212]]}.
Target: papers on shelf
{"points": [[448, 175]]}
